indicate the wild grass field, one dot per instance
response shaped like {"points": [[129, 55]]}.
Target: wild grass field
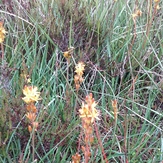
{"points": [[81, 81]]}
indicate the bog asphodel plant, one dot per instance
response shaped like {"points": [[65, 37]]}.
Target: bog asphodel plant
{"points": [[88, 113], [31, 96], [88, 110], [78, 78]]}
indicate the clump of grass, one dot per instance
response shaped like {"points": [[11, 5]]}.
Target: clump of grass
{"points": [[121, 45]]}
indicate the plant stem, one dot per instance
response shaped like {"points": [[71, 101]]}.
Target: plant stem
{"points": [[67, 86], [33, 146], [75, 107], [2, 49], [100, 143]]}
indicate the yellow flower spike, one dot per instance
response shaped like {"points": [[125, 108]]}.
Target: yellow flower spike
{"points": [[114, 103], [79, 68], [31, 94], [2, 32], [115, 108], [78, 79], [89, 110]]}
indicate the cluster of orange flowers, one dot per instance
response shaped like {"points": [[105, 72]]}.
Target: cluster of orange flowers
{"points": [[88, 114], [31, 96], [76, 158], [78, 79], [2, 32]]}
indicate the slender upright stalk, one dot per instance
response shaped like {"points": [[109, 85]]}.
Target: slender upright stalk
{"points": [[33, 145], [2, 49], [150, 20], [100, 143], [75, 107], [67, 85]]}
